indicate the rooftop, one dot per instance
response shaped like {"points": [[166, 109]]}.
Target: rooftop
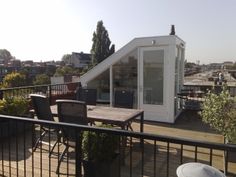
{"points": [[188, 126]]}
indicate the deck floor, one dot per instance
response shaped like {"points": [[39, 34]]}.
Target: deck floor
{"points": [[188, 126]]}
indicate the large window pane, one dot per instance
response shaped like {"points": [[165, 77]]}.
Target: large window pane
{"points": [[102, 84], [125, 74], [153, 66]]}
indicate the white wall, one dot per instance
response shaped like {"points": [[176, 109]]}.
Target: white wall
{"points": [[57, 80]]}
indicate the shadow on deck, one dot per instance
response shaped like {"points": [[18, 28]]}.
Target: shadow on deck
{"points": [[157, 158]]}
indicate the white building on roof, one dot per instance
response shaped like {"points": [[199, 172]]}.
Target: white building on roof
{"points": [[152, 67]]}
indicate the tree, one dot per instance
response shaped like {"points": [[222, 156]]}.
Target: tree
{"points": [[6, 55], [219, 112], [41, 79], [66, 58], [65, 70], [101, 48], [14, 79]]}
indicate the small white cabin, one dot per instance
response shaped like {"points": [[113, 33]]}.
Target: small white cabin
{"points": [[153, 67]]}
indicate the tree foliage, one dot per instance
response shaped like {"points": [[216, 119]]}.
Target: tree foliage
{"points": [[219, 112], [14, 106], [66, 70], [101, 48], [66, 58], [41, 79], [5, 54], [14, 79], [190, 65]]}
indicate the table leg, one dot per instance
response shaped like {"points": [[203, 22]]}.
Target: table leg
{"points": [[123, 145], [141, 127]]}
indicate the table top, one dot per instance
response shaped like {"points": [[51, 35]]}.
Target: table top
{"points": [[111, 115], [195, 169]]}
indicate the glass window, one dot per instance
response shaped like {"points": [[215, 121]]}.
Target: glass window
{"points": [[102, 84], [125, 74], [153, 67]]}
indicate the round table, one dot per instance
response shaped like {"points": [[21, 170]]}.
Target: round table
{"points": [[194, 169]]}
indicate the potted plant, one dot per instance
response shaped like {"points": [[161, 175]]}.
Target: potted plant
{"points": [[13, 106], [100, 155], [218, 110]]}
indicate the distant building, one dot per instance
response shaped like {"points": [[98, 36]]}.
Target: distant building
{"points": [[27, 63], [228, 64], [14, 63], [215, 66], [80, 60], [2, 61]]}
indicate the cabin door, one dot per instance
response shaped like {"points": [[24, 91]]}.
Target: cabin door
{"points": [[152, 81]]}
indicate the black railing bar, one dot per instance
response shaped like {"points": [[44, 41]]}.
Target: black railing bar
{"points": [[17, 155], [211, 156], [181, 154], [9, 147], [78, 156], [58, 156], [41, 152], [34, 86], [195, 158], [2, 154], [24, 146], [131, 157], [142, 165], [155, 158], [119, 150], [163, 138], [32, 146], [49, 148], [226, 162], [167, 159]]}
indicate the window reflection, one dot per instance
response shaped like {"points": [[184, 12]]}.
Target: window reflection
{"points": [[102, 84], [153, 67], [125, 74]]}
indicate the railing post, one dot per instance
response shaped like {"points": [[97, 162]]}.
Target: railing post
{"points": [[50, 93], [78, 154], [1, 94]]}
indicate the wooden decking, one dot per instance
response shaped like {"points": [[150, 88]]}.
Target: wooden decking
{"points": [[188, 125]]}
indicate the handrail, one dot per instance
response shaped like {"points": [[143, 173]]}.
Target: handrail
{"points": [[147, 140], [120, 132]]}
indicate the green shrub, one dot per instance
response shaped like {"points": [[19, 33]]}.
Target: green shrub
{"points": [[219, 112], [14, 106], [100, 146]]}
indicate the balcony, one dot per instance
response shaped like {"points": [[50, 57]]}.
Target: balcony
{"points": [[164, 147]]}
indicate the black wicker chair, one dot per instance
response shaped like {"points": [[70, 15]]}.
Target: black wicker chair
{"points": [[88, 95], [124, 99], [71, 111], [42, 110]]}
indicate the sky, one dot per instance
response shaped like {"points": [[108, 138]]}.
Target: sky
{"points": [[45, 30]]}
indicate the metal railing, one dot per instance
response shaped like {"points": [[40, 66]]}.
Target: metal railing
{"points": [[143, 155], [206, 88], [53, 92]]}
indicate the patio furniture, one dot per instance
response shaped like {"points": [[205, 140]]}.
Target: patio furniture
{"points": [[110, 115], [191, 100], [88, 95], [42, 110], [120, 117], [124, 99], [70, 111], [194, 169]]}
